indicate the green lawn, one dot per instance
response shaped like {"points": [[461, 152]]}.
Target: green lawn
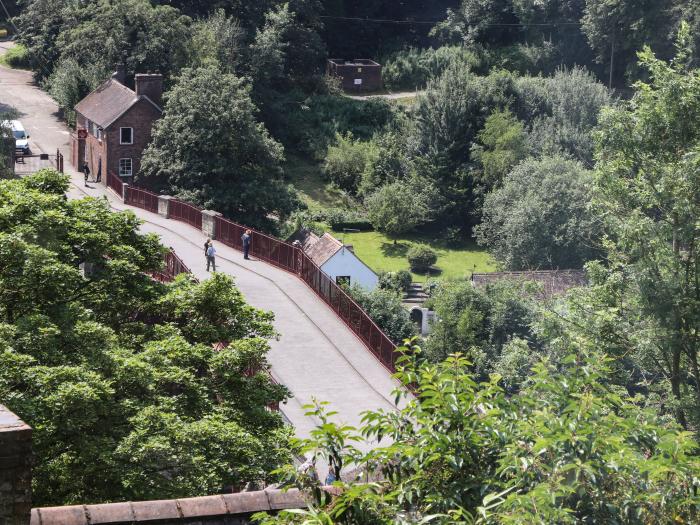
{"points": [[381, 254]]}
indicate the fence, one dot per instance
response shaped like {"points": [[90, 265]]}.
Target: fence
{"points": [[173, 267], [115, 183], [349, 312], [282, 255], [181, 211], [141, 198]]}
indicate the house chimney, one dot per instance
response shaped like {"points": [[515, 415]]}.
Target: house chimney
{"points": [[119, 75], [150, 85]]}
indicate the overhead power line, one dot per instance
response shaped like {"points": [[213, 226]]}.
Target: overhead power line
{"points": [[431, 22]]}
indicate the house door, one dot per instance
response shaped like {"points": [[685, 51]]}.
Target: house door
{"points": [[98, 176]]}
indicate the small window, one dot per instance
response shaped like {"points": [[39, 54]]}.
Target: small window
{"points": [[99, 134], [342, 280], [125, 169], [126, 135]]}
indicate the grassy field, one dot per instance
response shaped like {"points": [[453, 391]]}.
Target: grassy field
{"points": [[381, 254], [313, 190]]}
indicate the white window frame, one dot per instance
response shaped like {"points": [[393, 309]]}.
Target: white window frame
{"points": [[131, 167], [120, 136]]}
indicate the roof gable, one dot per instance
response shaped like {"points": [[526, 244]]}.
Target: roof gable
{"points": [[109, 102]]}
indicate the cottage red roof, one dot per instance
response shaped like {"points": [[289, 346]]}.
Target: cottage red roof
{"points": [[319, 249], [108, 102]]}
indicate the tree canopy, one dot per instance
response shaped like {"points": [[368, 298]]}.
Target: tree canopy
{"points": [[217, 155], [117, 374]]}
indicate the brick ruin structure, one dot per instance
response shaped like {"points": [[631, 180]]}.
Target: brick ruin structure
{"points": [[15, 469], [356, 76]]}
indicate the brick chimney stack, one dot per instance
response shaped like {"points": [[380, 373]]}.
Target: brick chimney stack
{"points": [[150, 85]]}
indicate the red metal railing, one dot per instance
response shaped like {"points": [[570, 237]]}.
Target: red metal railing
{"points": [[173, 266], [349, 312], [182, 211], [283, 255], [141, 198], [115, 183]]}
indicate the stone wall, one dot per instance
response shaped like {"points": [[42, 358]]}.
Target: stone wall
{"points": [[15, 469], [224, 509]]}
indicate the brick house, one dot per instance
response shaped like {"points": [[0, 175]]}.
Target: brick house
{"points": [[113, 125]]}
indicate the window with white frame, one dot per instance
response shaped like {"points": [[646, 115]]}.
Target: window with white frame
{"points": [[126, 135], [125, 168]]}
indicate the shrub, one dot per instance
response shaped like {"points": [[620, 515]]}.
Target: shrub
{"points": [[385, 309], [346, 161], [421, 257], [412, 68], [17, 57], [398, 281], [339, 219]]}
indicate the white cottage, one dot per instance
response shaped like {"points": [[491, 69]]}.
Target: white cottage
{"points": [[336, 260]]}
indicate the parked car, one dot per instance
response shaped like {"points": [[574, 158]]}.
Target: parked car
{"points": [[20, 135]]}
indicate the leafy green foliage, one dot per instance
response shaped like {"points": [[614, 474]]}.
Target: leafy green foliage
{"points": [[481, 322], [413, 68], [397, 281], [384, 308], [566, 450], [216, 155], [347, 160], [541, 217], [502, 145], [119, 376], [397, 208], [421, 257]]}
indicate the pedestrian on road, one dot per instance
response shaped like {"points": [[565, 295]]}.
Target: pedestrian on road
{"points": [[246, 243], [206, 246], [211, 258], [86, 171]]}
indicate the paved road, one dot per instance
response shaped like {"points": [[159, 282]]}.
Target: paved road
{"points": [[316, 354]]}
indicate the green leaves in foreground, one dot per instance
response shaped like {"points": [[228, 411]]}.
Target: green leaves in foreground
{"points": [[567, 449]]}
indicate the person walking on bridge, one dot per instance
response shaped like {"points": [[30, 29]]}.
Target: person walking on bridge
{"points": [[246, 243], [211, 258]]}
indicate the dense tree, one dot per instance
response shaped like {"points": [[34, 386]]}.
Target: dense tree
{"points": [[566, 450], [540, 218], [347, 160], [617, 30], [215, 154], [397, 208], [649, 193], [119, 375], [480, 322], [502, 144]]}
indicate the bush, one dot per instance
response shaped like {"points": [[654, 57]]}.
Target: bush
{"points": [[412, 68], [17, 57], [339, 219], [347, 160], [398, 281], [385, 309], [421, 257]]}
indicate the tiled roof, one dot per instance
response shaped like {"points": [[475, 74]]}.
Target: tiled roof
{"points": [[319, 249], [108, 102], [554, 282]]}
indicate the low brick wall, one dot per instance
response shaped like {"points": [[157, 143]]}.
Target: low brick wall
{"points": [[225, 509], [15, 469]]}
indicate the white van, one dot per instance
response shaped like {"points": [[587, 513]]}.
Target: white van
{"points": [[21, 137]]}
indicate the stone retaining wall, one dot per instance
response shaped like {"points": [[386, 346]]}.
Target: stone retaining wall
{"points": [[225, 509]]}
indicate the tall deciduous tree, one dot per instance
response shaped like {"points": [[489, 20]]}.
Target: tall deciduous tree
{"points": [[118, 374], [649, 192], [540, 217], [209, 149]]}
